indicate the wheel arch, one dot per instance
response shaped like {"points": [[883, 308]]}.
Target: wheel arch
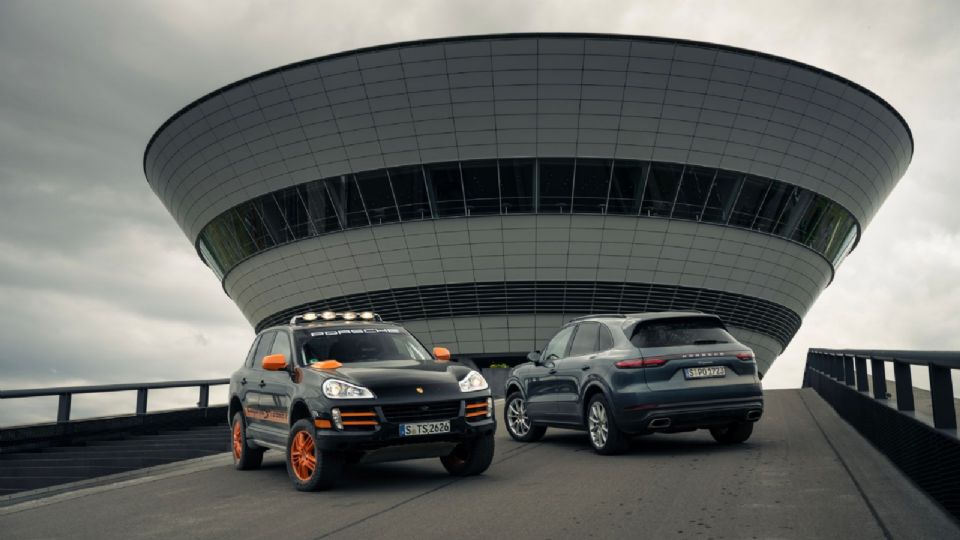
{"points": [[233, 408], [591, 389], [511, 386], [299, 411]]}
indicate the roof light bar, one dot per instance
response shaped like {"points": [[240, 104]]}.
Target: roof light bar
{"points": [[333, 315]]}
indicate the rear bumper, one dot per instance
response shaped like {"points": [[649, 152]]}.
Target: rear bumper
{"points": [[689, 416]]}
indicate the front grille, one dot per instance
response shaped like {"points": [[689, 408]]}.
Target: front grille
{"points": [[439, 410]]}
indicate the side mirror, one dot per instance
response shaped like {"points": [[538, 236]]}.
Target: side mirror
{"points": [[534, 357], [274, 362], [441, 353]]}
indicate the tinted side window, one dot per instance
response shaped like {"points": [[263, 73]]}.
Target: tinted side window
{"points": [[281, 345], [605, 339], [263, 348], [681, 332], [250, 354], [585, 340], [558, 345]]}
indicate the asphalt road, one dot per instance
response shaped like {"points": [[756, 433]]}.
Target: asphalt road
{"points": [[804, 474]]}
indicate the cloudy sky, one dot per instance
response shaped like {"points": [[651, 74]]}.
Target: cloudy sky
{"points": [[98, 285]]}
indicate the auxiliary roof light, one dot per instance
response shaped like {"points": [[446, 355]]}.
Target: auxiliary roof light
{"points": [[332, 315]]}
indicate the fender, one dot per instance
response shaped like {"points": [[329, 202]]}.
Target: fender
{"points": [[515, 381], [593, 381]]}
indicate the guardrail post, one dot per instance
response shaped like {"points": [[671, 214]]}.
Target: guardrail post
{"points": [[141, 401], [941, 394], [904, 385], [204, 396], [879, 378], [848, 375], [63, 408], [861, 368]]}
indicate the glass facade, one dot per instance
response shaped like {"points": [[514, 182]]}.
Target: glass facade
{"points": [[525, 186]]}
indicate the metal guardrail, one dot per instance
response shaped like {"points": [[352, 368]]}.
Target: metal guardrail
{"points": [[850, 367], [926, 449], [66, 393]]}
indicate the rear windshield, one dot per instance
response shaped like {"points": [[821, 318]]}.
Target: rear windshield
{"points": [[676, 333], [360, 345]]}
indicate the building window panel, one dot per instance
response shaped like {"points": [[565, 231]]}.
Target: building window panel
{"points": [[444, 178], [347, 196], [273, 219], [591, 185], [481, 187], [723, 194], [294, 212], [556, 185], [254, 225], [661, 189], [323, 215], [779, 198], [749, 201], [626, 187], [378, 197], [807, 227], [793, 212], [516, 185], [694, 188], [410, 189]]}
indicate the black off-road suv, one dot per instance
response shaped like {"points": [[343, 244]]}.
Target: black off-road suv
{"points": [[622, 375], [334, 388]]}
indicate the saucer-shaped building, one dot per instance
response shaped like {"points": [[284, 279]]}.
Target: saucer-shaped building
{"points": [[482, 190]]}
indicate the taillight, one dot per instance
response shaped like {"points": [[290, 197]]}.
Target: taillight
{"points": [[641, 363], [746, 355]]}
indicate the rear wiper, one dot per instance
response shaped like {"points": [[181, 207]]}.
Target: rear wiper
{"points": [[708, 341]]}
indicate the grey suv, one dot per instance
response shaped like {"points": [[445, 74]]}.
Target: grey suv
{"points": [[623, 375]]}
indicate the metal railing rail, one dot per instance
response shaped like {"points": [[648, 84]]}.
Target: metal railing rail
{"points": [[849, 366], [66, 393], [926, 450]]}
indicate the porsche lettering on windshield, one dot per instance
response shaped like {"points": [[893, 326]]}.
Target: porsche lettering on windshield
{"points": [[355, 331]]}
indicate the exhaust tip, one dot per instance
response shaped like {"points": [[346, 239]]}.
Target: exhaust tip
{"points": [[754, 414], [659, 423]]}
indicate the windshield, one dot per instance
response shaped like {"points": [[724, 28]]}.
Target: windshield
{"points": [[679, 332], [360, 345]]}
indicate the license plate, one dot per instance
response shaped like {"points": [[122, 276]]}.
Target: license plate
{"points": [[704, 372], [426, 428]]}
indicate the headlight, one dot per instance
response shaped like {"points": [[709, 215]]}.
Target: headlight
{"points": [[473, 382], [337, 389]]}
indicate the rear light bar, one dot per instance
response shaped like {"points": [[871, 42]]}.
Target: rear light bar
{"points": [[657, 361], [641, 363]]}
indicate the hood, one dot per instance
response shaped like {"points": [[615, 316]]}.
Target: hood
{"points": [[391, 379]]}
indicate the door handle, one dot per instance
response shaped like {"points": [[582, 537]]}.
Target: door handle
{"points": [[584, 368], [552, 371], [262, 384], [243, 380]]}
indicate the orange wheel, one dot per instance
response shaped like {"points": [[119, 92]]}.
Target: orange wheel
{"points": [[303, 457], [310, 467], [245, 455], [237, 440]]}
